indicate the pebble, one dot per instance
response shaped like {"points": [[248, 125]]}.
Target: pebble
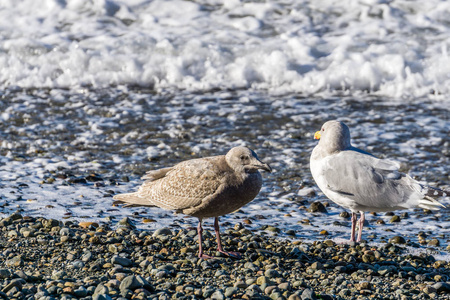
{"points": [[123, 261], [88, 224], [101, 297], [316, 265], [271, 273], [441, 287], [164, 232], [395, 219], [230, 291], [217, 295], [434, 243], [308, 294], [397, 240], [58, 275], [15, 283], [101, 289], [317, 207], [344, 215], [126, 222], [285, 286], [16, 261], [149, 221]]}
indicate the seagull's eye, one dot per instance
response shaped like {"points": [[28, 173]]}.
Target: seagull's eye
{"points": [[323, 129], [244, 157]]}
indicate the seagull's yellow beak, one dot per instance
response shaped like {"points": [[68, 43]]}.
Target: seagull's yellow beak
{"points": [[317, 135]]}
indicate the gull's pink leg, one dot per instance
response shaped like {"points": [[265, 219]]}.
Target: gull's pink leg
{"points": [[200, 246], [361, 225], [219, 242], [352, 237]]}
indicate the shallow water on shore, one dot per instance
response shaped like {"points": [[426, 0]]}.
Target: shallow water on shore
{"points": [[65, 153]]}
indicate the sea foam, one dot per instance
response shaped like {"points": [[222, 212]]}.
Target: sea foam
{"points": [[397, 49]]}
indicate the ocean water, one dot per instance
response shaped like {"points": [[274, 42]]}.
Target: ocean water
{"points": [[95, 93]]}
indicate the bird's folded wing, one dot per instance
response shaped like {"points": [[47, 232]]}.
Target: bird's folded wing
{"points": [[369, 181], [185, 185]]}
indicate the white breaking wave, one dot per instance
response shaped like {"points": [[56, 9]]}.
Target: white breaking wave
{"points": [[388, 48]]}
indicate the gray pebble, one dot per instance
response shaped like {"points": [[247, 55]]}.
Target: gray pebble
{"points": [[254, 287], [217, 295], [441, 287], [101, 289], [271, 273], [101, 297], [270, 289], [87, 256], [93, 271], [126, 222], [230, 291], [58, 275], [78, 264], [80, 292], [163, 232], [251, 266], [123, 261], [276, 296], [133, 282], [65, 231], [308, 294]]}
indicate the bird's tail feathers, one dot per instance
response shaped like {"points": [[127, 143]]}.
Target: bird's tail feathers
{"points": [[131, 200], [429, 203]]}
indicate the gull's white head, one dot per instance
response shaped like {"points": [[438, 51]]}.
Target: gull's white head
{"points": [[334, 136]]}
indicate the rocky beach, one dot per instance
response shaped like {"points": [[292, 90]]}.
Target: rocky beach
{"points": [[51, 259]]}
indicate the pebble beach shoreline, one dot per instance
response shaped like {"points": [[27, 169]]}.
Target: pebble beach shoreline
{"points": [[52, 259]]}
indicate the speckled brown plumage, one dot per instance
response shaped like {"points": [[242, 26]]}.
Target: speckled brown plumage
{"points": [[204, 187]]}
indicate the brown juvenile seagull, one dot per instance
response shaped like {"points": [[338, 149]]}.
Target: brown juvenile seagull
{"points": [[360, 182], [204, 187]]}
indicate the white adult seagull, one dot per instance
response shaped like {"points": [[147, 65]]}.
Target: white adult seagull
{"points": [[360, 182]]}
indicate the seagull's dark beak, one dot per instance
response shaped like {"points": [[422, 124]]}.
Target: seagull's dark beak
{"points": [[264, 167], [257, 165]]}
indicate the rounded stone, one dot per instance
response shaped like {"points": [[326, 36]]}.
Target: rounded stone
{"points": [[88, 225], [344, 215], [397, 240], [317, 207], [271, 273], [395, 219], [230, 291], [217, 295], [123, 261], [162, 232], [434, 243]]}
